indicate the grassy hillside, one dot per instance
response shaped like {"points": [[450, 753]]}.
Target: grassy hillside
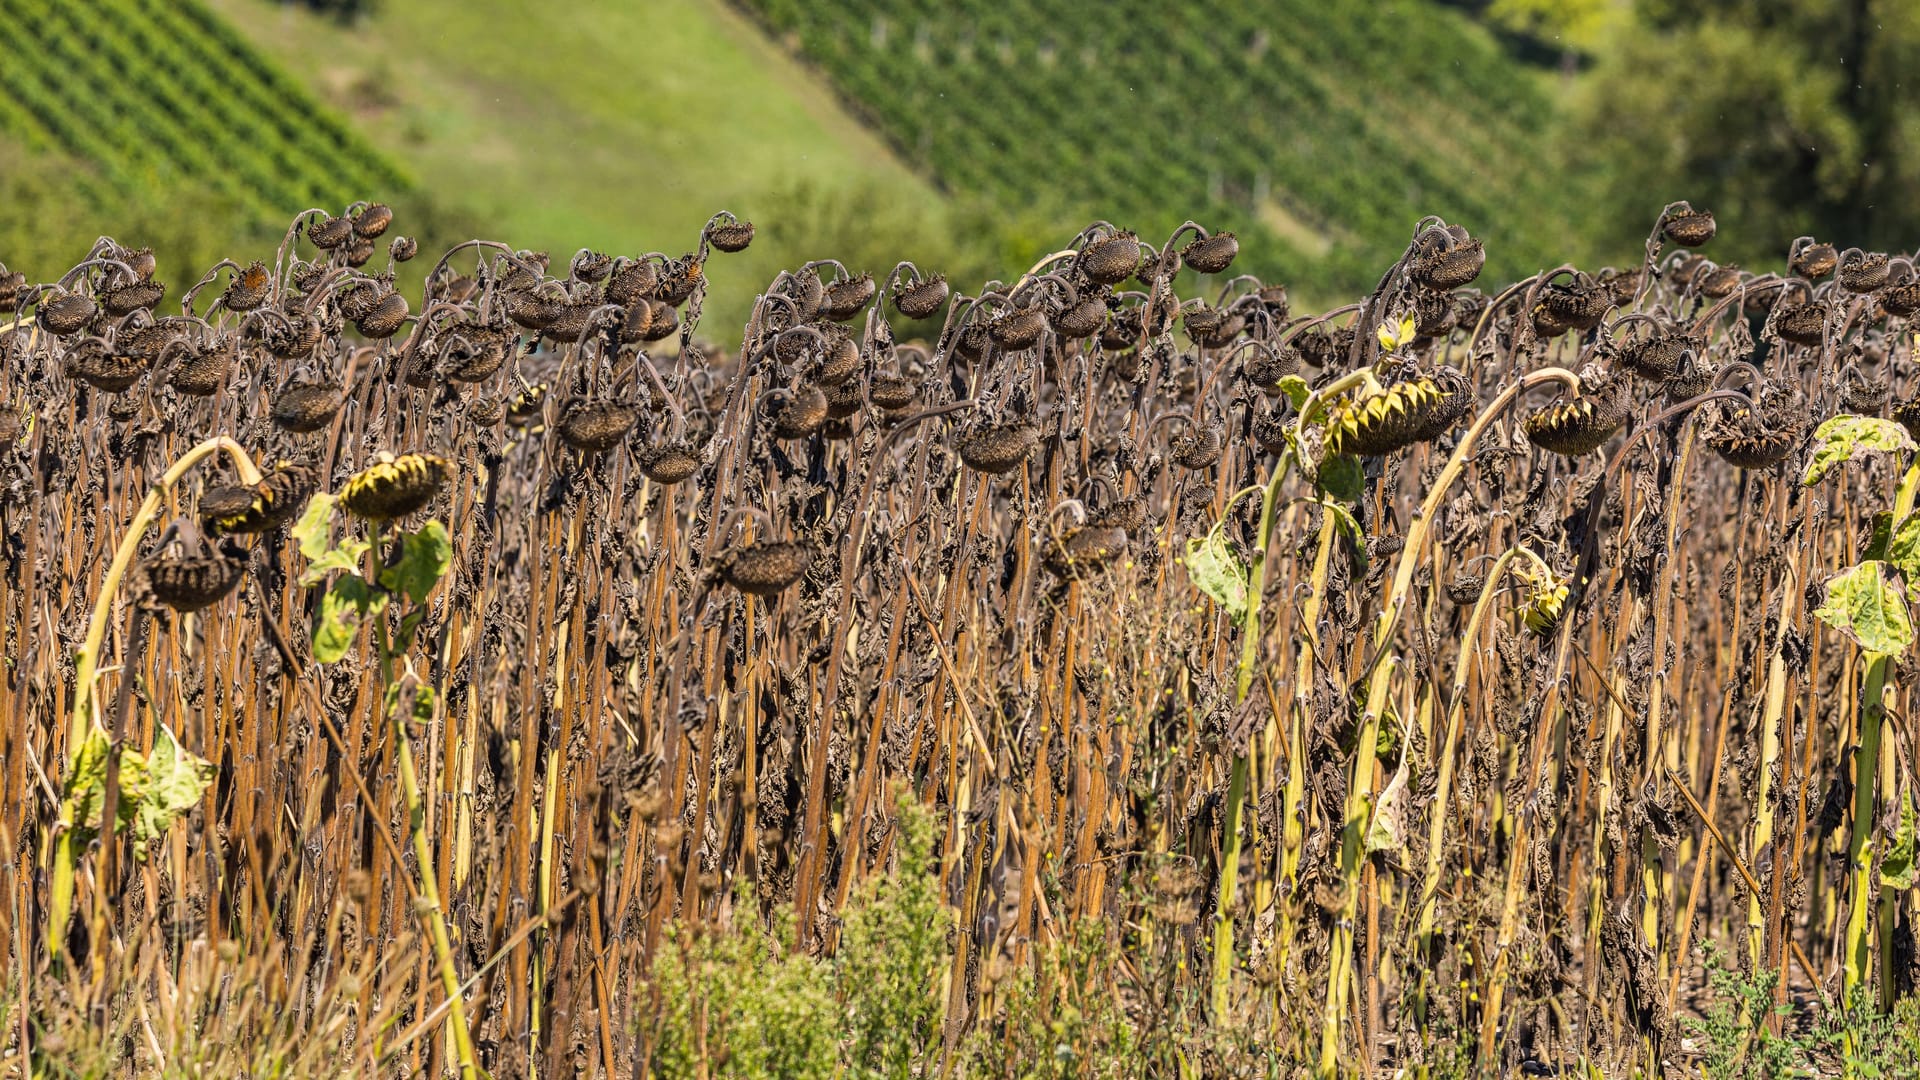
{"points": [[1326, 130], [616, 126]]}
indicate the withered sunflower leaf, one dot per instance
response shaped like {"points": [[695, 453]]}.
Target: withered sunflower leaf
{"points": [[1847, 438], [1862, 604], [1343, 477], [1215, 569]]}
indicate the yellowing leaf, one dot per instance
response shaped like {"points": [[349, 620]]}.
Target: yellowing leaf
{"points": [[1847, 438], [173, 780], [1217, 571], [1862, 604], [1392, 335]]}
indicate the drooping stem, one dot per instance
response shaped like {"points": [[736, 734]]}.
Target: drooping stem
{"points": [[64, 856], [1360, 793]]}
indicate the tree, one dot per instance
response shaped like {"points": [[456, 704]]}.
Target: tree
{"points": [[1783, 119]]}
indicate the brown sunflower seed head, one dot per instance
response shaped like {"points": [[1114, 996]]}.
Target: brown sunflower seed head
{"points": [[328, 233], [145, 343], [142, 262], [385, 319], [1126, 514], [839, 359], [360, 298], [679, 280], [664, 324], [66, 313], [205, 369], [597, 426], [1746, 440], [1081, 319], [766, 568], [1907, 414], [1444, 261], [921, 298], [590, 266], [305, 407], [891, 391], [847, 297], [669, 463], [998, 448], [1265, 368], [1274, 299], [307, 275], [636, 322], [280, 496], [373, 220], [1270, 431], [1658, 357], [1579, 303], [189, 583], [1690, 227], [387, 490], [91, 362], [843, 400], [535, 308], [1719, 282], [731, 237], [1863, 271], [1211, 327], [1084, 550], [129, 297], [797, 412], [1110, 260], [632, 281], [1578, 425], [226, 508], [1123, 329], [248, 289], [1018, 329], [1814, 260], [1802, 323], [403, 248], [1622, 285], [1863, 395], [1901, 300], [12, 284], [1198, 449], [1211, 255]]}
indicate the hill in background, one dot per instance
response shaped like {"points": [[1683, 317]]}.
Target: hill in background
{"points": [[968, 138]]}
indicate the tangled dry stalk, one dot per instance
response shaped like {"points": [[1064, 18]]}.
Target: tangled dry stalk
{"points": [[1438, 670]]}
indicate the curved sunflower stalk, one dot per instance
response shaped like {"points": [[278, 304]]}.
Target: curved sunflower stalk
{"points": [[1545, 598], [85, 739], [1361, 792]]}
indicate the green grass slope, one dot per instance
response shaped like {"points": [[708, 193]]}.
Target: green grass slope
{"points": [[1319, 131], [617, 126]]}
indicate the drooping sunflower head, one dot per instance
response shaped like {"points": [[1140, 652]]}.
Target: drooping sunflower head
{"points": [[395, 488]]}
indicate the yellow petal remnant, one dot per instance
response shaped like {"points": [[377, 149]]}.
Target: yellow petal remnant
{"points": [[1392, 335]]}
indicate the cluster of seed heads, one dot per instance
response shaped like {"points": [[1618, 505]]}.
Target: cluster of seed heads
{"points": [[892, 473]]}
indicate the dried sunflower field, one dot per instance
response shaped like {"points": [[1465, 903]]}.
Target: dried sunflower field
{"points": [[1105, 672]]}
